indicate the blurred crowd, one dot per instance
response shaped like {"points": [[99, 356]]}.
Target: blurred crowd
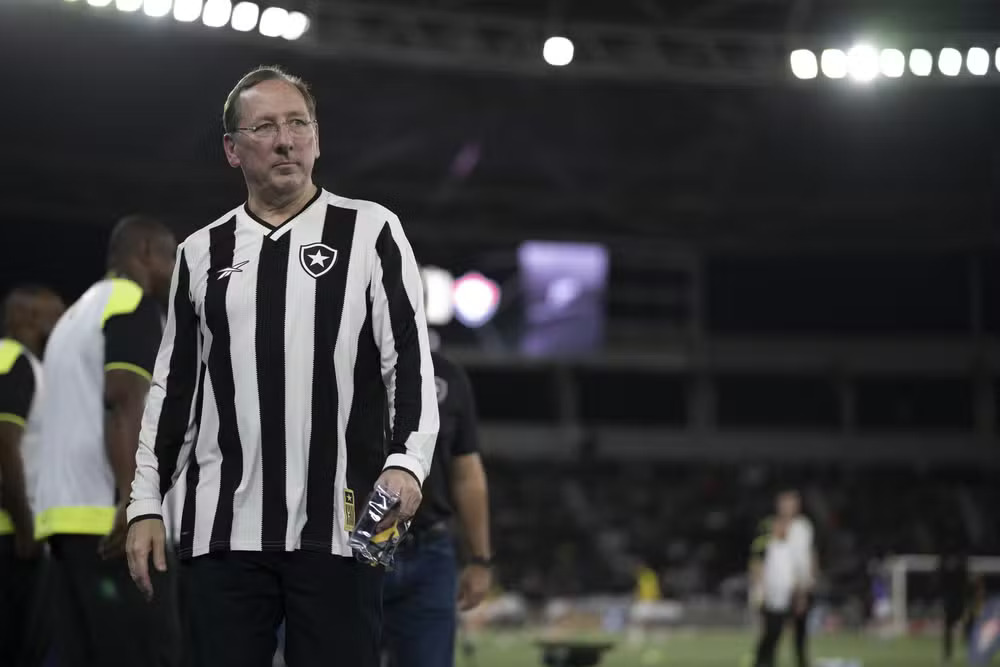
{"points": [[567, 529]]}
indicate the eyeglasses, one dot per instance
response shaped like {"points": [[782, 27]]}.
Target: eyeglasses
{"points": [[297, 127]]}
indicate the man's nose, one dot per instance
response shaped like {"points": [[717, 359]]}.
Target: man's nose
{"points": [[284, 136]]}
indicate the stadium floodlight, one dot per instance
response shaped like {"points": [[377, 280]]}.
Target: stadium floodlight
{"points": [[245, 16], [98, 3], [892, 63], [439, 286], [833, 62], [157, 8], [804, 64], [921, 62], [128, 5], [977, 61], [862, 63], [476, 299], [950, 62], [558, 51], [216, 13], [296, 25], [272, 21], [187, 10]]}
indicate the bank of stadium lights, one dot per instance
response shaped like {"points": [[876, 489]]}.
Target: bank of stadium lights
{"points": [[864, 63], [245, 16]]}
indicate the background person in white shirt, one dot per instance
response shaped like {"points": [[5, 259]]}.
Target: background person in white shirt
{"points": [[804, 566], [772, 569]]}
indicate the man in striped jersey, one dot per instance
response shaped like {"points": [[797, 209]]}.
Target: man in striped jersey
{"points": [[29, 315], [97, 368], [295, 327]]}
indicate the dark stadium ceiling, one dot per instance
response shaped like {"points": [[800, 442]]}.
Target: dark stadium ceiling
{"points": [[114, 116], [765, 15]]}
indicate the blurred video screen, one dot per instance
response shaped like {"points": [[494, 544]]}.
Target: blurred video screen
{"points": [[563, 286]]}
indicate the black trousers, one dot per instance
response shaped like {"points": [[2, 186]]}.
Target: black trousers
{"points": [[802, 634], [102, 620], [773, 626], [954, 609], [24, 613], [332, 608]]}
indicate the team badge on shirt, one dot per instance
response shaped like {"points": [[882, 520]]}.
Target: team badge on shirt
{"points": [[317, 258]]}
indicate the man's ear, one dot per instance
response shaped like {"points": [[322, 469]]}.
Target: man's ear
{"points": [[229, 145]]}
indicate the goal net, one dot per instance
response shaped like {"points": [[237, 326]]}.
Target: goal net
{"points": [[911, 584]]}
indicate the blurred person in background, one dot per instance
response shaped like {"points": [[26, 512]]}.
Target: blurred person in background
{"points": [[773, 584], [97, 370], [420, 595], [30, 313], [961, 595], [295, 326], [804, 564]]}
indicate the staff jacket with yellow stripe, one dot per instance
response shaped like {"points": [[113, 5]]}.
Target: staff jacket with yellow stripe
{"points": [[112, 326], [20, 401]]}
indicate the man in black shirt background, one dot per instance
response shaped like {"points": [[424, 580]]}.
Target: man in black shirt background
{"points": [[421, 590]]}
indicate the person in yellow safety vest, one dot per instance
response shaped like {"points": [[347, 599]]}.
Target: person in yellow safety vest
{"points": [[30, 313], [97, 369]]}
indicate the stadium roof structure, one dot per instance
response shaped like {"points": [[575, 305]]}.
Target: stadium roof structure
{"points": [[676, 122]]}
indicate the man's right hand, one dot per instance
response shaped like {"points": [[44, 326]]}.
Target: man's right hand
{"points": [[146, 537]]}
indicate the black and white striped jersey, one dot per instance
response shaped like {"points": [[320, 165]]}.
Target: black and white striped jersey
{"points": [[286, 352]]}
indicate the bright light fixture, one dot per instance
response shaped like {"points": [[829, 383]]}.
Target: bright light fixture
{"points": [[921, 62], [245, 16], [558, 51], [892, 62], [476, 299], [296, 25], [216, 13], [156, 8], [187, 10], [833, 62], [272, 21], [950, 62], [863, 63], [977, 60], [804, 64]]}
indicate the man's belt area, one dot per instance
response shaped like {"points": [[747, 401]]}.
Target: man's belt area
{"points": [[424, 534]]}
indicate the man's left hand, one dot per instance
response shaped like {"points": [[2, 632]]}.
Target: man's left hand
{"points": [[473, 586], [405, 485]]}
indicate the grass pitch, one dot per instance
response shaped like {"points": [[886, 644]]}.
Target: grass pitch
{"points": [[711, 649]]}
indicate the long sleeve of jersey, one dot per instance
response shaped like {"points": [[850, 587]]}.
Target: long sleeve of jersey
{"points": [[400, 331], [165, 438]]}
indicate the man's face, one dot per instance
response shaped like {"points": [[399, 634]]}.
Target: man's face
{"points": [[789, 505], [780, 528], [160, 263], [283, 163]]}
